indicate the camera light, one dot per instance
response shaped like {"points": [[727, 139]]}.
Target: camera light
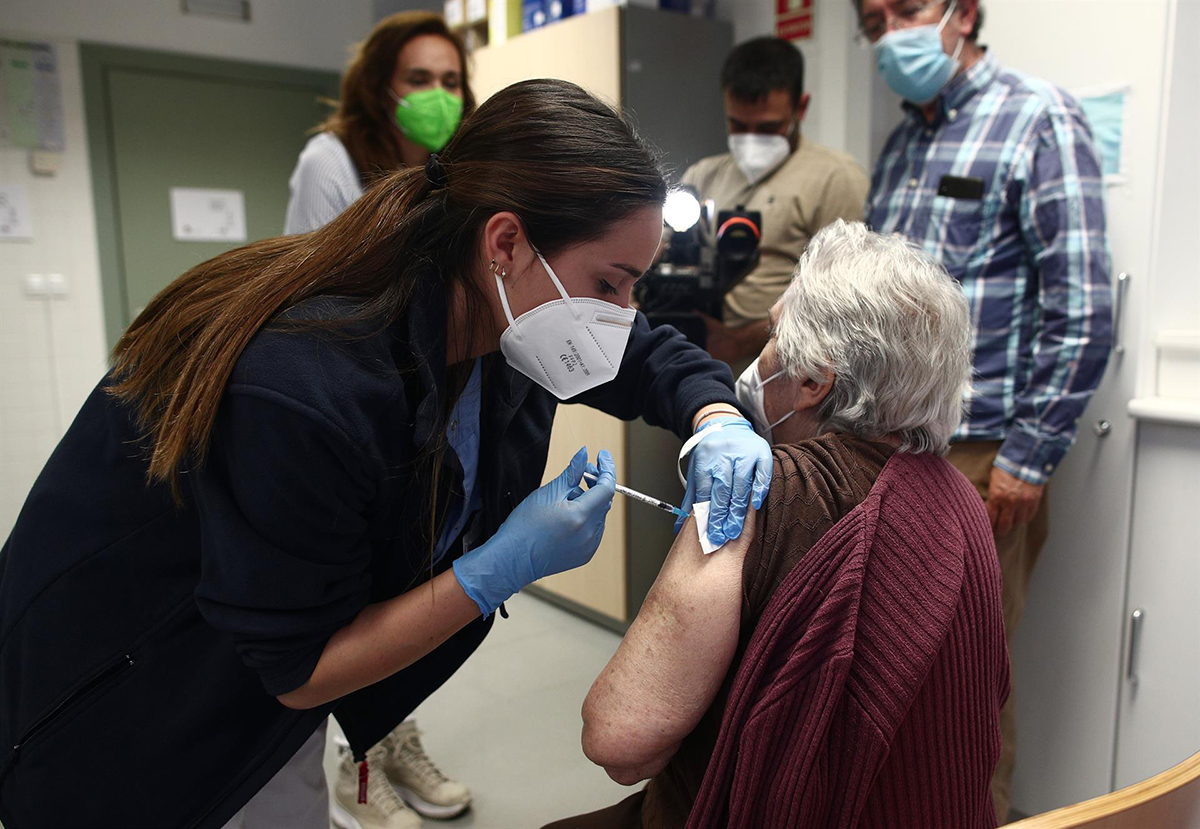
{"points": [[681, 210]]}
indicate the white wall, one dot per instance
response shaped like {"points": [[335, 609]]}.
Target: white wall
{"points": [[52, 352], [750, 18], [312, 33], [1174, 300], [385, 8]]}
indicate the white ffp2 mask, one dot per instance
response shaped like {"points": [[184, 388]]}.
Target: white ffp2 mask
{"points": [[750, 394], [759, 155], [568, 345]]}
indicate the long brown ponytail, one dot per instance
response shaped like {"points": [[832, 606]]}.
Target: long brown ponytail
{"points": [[566, 163]]}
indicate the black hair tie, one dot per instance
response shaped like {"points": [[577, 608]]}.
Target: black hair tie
{"points": [[435, 172]]}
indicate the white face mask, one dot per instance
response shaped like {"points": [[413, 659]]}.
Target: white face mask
{"points": [[759, 155], [750, 394], [568, 345]]}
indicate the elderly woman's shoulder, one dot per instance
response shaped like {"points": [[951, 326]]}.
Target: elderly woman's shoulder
{"points": [[832, 450], [843, 469], [833, 473], [831, 465]]}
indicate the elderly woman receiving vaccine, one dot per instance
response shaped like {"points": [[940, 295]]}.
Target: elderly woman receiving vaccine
{"points": [[841, 663]]}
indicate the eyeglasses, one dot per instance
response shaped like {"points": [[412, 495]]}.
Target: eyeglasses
{"points": [[875, 26]]}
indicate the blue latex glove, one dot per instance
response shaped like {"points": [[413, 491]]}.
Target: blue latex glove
{"points": [[732, 469], [556, 528]]}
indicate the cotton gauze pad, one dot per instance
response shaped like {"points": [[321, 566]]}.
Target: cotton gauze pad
{"points": [[700, 512]]}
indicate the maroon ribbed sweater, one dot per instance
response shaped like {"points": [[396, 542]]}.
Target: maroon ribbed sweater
{"points": [[870, 692]]}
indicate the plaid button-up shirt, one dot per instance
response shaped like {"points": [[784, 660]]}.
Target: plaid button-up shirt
{"points": [[1030, 252]]}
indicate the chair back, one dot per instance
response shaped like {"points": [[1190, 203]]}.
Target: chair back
{"points": [[1168, 800]]}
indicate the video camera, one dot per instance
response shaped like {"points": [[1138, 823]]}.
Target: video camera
{"points": [[705, 260]]}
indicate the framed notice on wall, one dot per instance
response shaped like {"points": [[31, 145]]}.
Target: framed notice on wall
{"points": [[31, 112], [794, 19], [208, 215]]}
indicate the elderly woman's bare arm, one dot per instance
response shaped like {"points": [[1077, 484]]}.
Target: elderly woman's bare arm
{"points": [[672, 661]]}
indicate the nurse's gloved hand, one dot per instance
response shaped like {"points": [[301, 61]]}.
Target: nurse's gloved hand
{"points": [[556, 528], [731, 467]]}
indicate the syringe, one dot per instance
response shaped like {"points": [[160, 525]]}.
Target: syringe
{"points": [[638, 496]]}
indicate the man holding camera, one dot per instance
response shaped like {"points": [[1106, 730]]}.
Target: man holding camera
{"points": [[798, 186]]}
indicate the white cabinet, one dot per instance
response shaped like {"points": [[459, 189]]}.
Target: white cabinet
{"points": [[1158, 721], [1159, 715]]}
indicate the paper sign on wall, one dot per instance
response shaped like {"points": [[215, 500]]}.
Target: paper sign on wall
{"points": [[31, 113], [15, 220], [208, 215], [794, 19], [1105, 109]]}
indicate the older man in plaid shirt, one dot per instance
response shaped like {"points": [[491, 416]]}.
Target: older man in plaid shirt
{"points": [[994, 173]]}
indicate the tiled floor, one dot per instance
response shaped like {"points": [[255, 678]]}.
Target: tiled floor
{"points": [[507, 723]]}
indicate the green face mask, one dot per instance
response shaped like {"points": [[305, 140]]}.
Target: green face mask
{"points": [[429, 117]]}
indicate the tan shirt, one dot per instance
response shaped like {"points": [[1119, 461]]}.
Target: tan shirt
{"points": [[814, 186]]}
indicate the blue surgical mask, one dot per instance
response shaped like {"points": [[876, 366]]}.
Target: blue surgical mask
{"points": [[913, 63]]}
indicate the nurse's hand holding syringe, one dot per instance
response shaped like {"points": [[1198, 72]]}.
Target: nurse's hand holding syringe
{"points": [[590, 477]]}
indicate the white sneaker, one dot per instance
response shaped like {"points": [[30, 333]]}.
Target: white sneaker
{"points": [[383, 808], [421, 783]]}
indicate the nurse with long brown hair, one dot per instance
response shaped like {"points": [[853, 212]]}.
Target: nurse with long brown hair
{"points": [[312, 477]]}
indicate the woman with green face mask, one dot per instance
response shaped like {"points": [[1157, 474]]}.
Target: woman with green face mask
{"points": [[428, 117], [404, 94]]}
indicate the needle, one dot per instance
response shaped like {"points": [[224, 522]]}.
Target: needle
{"points": [[638, 496]]}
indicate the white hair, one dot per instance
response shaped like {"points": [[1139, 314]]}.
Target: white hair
{"points": [[890, 324]]}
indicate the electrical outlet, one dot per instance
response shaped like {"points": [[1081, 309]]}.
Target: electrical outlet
{"points": [[56, 285], [35, 285], [44, 162]]}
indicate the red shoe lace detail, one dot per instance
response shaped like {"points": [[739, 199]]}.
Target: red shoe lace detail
{"points": [[364, 772]]}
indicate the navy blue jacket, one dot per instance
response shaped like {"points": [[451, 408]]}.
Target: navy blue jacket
{"points": [[142, 643]]}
